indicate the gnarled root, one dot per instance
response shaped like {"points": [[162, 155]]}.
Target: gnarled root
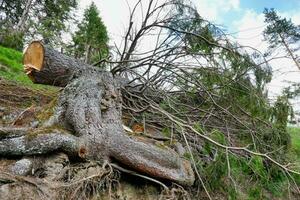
{"points": [[29, 142], [90, 106], [159, 162]]}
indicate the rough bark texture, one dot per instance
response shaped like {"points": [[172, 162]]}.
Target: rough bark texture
{"points": [[90, 107], [33, 143], [56, 69]]}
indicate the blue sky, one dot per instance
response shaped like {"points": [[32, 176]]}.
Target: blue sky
{"points": [[222, 12], [280, 5], [228, 17]]}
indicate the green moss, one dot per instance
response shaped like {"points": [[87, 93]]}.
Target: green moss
{"points": [[45, 130], [48, 111], [160, 145], [166, 132]]}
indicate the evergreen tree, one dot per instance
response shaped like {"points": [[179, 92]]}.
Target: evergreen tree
{"points": [[11, 13], [57, 13], [90, 41], [281, 32], [38, 19]]}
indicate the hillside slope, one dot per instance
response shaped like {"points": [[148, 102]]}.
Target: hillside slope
{"points": [[23, 103]]}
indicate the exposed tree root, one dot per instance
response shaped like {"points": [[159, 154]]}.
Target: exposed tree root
{"points": [[24, 141], [82, 181], [12, 132], [90, 107]]}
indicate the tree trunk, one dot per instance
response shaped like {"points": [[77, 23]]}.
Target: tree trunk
{"points": [[90, 107], [47, 66], [21, 24], [87, 53], [289, 51]]}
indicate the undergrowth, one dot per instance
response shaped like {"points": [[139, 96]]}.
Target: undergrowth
{"points": [[248, 177], [236, 177]]}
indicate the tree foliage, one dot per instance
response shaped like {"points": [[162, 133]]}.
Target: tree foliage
{"points": [[282, 32], [91, 39], [200, 89], [53, 23], [34, 19], [207, 91]]}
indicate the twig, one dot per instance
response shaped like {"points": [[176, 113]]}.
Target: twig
{"points": [[194, 164], [139, 175]]}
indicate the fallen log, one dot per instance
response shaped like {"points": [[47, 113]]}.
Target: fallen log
{"points": [[47, 66], [90, 106]]}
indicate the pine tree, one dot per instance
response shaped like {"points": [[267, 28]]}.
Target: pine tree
{"points": [[90, 41], [56, 13], [12, 20], [281, 32], [32, 19]]}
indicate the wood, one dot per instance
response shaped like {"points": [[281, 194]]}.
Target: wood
{"points": [[34, 56], [90, 106], [289, 51], [30, 143], [47, 66]]}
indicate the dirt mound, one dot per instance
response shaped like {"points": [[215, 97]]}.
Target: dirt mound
{"points": [[19, 102]]}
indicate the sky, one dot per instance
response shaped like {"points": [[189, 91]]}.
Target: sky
{"points": [[243, 19]]}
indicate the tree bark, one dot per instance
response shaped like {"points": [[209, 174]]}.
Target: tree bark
{"points": [[21, 24], [289, 51], [47, 66], [90, 107], [87, 53], [28, 142]]}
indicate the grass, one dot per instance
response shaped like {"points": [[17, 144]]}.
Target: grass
{"points": [[253, 178], [294, 151], [11, 65], [11, 68], [295, 139], [12, 58]]}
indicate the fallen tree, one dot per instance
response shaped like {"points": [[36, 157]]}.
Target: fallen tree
{"points": [[194, 85], [89, 114]]}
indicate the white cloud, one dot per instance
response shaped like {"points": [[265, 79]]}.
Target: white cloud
{"points": [[250, 33], [115, 13], [249, 30], [235, 4], [294, 15], [228, 5], [214, 9]]}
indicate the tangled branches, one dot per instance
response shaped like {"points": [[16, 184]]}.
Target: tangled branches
{"points": [[190, 83], [200, 88]]}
